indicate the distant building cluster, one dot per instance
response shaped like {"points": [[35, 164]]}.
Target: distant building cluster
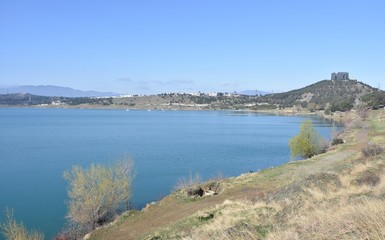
{"points": [[340, 76], [198, 94]]}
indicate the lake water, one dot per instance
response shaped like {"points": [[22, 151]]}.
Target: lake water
{"points": [[37, 145]]}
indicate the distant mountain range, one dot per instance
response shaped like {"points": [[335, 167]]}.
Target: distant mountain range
{"points": [[253, 92], [57, 91], [327, 95], [54, 91]]}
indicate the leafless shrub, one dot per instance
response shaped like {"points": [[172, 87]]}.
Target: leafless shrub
{"points": [[13, 230], [372, 150], [334, 132], [190, 186], [354, 124], [362, 110], [72, 231], [363, 114], [337, 141], [96, 193], [323, 145], [369, 178], [218, 177]]}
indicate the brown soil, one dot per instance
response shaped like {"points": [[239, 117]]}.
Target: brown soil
{"points": [[249, 187], [169, 210]]}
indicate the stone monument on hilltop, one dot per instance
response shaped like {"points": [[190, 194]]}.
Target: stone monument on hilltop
{"points": [[340, 76]]}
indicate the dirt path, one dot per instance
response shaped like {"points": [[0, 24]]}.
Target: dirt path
{"points": [[169, 210], [362, 137]]}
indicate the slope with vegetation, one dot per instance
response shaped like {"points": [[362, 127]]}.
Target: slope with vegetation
{"points": [[327, 95], [308, 142], [339, 95], [335, 195], [375, 100], [26, 99]]}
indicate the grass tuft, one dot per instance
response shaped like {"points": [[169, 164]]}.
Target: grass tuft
{"points": [[372, 150]]}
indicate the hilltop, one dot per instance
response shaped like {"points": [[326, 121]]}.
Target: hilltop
{"points": [[335, 195], [335, 95], [327, 95]]}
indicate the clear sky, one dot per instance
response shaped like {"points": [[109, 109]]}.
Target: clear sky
{"points": [[154, 46]]}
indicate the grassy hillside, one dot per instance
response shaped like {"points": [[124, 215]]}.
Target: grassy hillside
{"points": [[337, 95], [336, 195], [325, 95]]}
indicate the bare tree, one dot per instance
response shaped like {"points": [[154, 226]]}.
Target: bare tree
{"points": [[13, 230], [362, 110], [125, 174], [95, 193]]}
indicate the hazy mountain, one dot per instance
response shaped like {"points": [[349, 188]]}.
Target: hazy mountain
{"points": [[49, 90], [253, 92]]}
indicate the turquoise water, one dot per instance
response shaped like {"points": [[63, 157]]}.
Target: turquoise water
{"points": [[37, 145]]}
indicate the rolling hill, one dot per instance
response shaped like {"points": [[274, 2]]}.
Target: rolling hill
{"points": [[327, 95], [338, 95]]}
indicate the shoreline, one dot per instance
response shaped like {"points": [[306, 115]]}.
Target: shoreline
{"points": [[336, 116], [236, 188]]}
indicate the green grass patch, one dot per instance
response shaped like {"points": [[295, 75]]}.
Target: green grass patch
{"points": [[177, 230], [377, 124]]}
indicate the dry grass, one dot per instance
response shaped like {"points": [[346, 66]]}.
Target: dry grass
{"points": [[349, 212], [193, 186], [345, 220], [372, 150], [357, 219], [322, 206], [237, 220], [188, 184], [336, 195]]}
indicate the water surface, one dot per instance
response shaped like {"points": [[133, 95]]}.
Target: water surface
{"points": [[37, 145]]}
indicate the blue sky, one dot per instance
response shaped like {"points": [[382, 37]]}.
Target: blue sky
{"points": [[144, 46]]}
